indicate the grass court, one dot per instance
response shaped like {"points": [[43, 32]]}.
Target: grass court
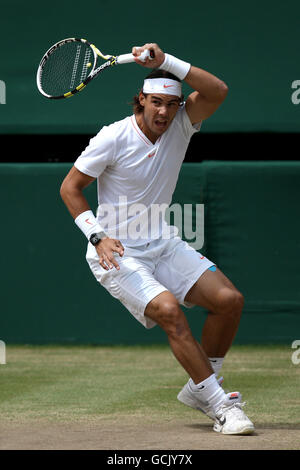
{"points": [[124, 397]]}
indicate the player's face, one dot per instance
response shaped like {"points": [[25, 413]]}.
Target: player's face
{"points": [[159, 112]]}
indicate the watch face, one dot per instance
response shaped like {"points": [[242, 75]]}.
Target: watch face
{"points": [[97, 237], [94, 239]]}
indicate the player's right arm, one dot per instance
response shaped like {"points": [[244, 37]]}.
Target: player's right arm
{"points": [[71, 192]]}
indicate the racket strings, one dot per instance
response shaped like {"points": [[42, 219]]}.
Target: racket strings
{"points": [[85, 68], [66, 68]]}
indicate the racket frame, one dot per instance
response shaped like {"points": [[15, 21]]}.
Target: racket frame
{"points": [[110, 61]]}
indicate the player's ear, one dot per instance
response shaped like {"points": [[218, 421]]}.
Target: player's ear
{"points": [[142, 98]]}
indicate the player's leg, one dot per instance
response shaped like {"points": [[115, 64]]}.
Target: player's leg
{"points": [[179, 269], [211, 399], [207, 394], [166, 312], [216, 293]]}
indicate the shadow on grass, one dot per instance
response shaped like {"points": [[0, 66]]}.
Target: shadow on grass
{"points": [[259, 426]]}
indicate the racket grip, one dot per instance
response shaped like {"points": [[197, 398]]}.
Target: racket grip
{"points": [[127, 58]]}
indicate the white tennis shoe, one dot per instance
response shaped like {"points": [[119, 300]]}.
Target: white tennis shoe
{"points": [[189, 397], [230, 419]]}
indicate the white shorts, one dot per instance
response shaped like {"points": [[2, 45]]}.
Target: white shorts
{"points": [[147, 270]]}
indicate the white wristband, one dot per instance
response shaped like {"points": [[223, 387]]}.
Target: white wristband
{"points": [[88, 224], [178, 67]]}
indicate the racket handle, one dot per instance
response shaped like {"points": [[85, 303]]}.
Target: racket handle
{"points": [[127, 58]]}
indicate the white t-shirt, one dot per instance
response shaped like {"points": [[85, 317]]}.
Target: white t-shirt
{"points": [[136, 178]]}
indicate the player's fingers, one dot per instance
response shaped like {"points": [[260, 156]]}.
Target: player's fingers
{"points": [[137, 51], [103, 263], [139, 62], [119, 248], [157, 56], [146, 62], [112, 262], [107, 261], [136, 54], [151, 46]]}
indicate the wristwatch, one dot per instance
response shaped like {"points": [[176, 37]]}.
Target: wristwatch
{"points": [[95, 238]]}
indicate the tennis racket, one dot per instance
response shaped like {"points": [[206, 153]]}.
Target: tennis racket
{"points": [[69, 65]]}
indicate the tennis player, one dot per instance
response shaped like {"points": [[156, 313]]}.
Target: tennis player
{"points": [[136, 255]]}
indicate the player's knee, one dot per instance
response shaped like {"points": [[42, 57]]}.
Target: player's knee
{"points": [[172, 319], [230, 302]]}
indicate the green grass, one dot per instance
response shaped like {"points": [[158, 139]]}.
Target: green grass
{"points": [[83, 383]]}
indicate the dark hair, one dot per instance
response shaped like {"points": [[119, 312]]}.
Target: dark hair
{"points": [[156, 73]]}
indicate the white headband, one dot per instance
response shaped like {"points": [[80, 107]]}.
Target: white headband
{"points": [[164, 86]]}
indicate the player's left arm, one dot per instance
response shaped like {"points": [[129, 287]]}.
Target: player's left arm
{"points": [[209, 94]]}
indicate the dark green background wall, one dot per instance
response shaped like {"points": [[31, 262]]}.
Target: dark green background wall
{"points": [[251, 209], [252, 46], [48, 294]]}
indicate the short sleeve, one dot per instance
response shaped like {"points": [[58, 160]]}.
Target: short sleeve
{"points": [[184, 122], [99, 154]]}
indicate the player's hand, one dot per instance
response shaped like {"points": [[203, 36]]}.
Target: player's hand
{"points": [[106, 249], [150, 63]]}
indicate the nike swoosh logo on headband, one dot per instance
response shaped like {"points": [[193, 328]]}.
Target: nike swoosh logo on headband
{"points": [[167, 86]]}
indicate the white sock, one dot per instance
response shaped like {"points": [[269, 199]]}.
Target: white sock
{"points": [[216, 363], [210, 391]]}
